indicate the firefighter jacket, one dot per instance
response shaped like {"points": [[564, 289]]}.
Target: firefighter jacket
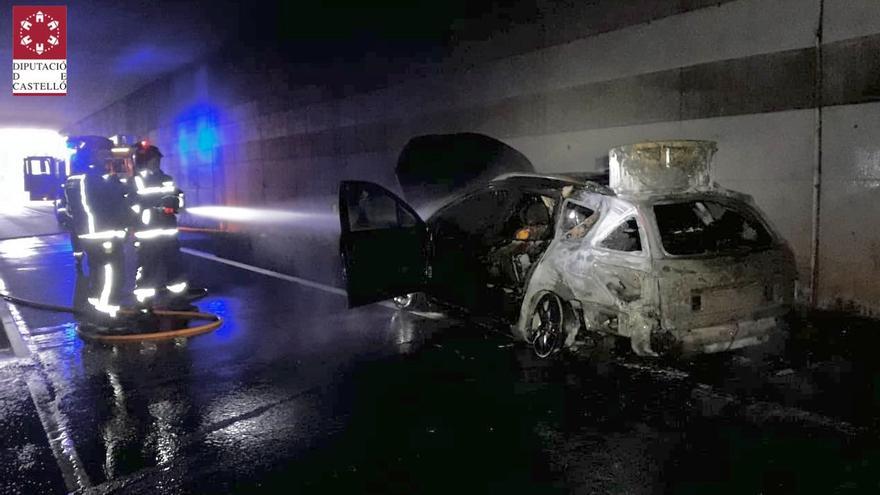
{"points": [[157, 202], [98, 206]]}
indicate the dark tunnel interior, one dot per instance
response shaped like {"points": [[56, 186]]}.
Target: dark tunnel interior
{"points": [[409, 246]]}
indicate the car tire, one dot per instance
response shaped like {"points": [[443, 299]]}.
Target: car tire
{"points": [[405, 301], [413, 302], [546, 327]]}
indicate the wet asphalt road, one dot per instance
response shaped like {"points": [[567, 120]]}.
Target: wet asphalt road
{"points": [[297, 393], [33, 218]]}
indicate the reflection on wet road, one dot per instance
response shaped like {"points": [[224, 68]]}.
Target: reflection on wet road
{"points": [[33, 218], [297, 392]]}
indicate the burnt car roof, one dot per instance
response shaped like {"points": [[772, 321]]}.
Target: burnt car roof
{"points": [[546, 183], [716, 192], [592, 181]]}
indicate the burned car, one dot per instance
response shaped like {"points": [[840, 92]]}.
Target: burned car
{"points": [[662, 255]]}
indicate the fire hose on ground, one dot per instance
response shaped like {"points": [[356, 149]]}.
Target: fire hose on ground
{"points": [[213, 322]]}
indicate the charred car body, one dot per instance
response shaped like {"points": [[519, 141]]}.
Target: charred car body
{"points": [[663, 256]]}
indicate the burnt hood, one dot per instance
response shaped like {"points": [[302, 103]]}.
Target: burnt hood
{"points": [[433, 167]]}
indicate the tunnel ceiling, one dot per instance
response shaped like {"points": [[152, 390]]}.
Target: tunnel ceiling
{"points": [[117, 47], [113, 48]]}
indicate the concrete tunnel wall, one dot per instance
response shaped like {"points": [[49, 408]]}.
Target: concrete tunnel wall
{"points": [[236, 130]]}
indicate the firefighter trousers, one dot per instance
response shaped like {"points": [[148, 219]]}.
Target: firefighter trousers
{"points": [[160, 268], [106, 274]]}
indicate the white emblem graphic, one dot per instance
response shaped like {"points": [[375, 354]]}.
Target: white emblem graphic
{"points": [[39, 33]]}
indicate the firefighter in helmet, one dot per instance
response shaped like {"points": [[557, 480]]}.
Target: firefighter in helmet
{"points": [[99, 210], [160, 274], [80, 160]]}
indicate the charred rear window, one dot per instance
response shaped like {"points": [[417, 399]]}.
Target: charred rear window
{"points": [[708, 227]]}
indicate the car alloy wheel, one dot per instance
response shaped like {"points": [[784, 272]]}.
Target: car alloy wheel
{"points": [[403, 302], [545, 327]]}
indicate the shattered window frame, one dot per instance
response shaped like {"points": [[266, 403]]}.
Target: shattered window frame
{"points": [[560, 230], [739, 206], [643, 250]]}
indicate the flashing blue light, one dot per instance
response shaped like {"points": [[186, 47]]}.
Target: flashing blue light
{"points": [[198, 135], [206, 138]]}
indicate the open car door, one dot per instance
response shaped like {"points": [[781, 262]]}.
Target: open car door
{"points": [[383, 243]]}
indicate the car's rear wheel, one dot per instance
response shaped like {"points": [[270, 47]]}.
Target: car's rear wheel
{"points": [[546, 327]]}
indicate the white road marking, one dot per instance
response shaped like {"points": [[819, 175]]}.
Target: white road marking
{"points": [[54, 423], [60, 441], [273, 273], [8, 314], [263, 271]]}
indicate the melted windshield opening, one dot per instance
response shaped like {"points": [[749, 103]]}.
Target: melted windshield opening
{"points": [[708, 227]]}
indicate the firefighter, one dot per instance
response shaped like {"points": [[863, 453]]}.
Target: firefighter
{"points": [[160, 274], [99, 209], [79, 163]]}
